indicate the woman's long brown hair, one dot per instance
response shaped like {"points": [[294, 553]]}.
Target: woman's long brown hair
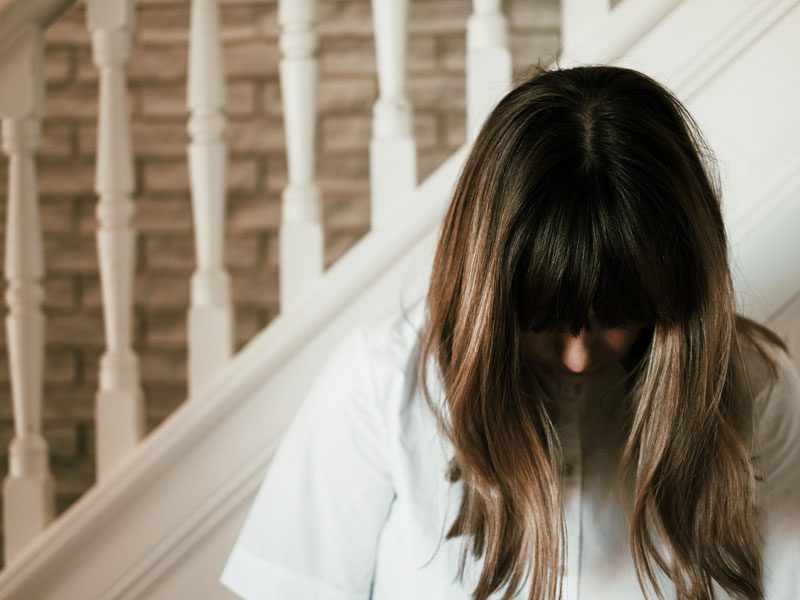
{"points": [[593, 188]]}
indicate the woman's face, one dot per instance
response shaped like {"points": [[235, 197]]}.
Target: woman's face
{"points": [[579, 359]]}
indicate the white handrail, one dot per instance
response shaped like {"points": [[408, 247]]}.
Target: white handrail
{"points": [[17, 15]]}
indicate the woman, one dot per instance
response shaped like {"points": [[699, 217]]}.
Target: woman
{"points": [[601, 424]]}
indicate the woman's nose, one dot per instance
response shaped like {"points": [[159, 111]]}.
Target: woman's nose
{"points": [[575, 353]]}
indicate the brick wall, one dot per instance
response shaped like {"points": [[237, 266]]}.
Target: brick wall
{"points": [[257, 173]]}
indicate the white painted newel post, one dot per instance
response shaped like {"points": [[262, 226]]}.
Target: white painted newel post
{"points": [[28, 489], [393, 153], [489, 66], [120, 411], [210, 319], [301, 237]]}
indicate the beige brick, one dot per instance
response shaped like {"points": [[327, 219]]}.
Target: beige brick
{"points": [[242, 175], [161, 291], [455, 129], [69, 28], [270, 99], [429, 160], [442, 16], [167, 100], [87, 140], [168, 253], [268, 21], [426, 130], [452, 53], [276, 174], [352, 166], [85, 70], [73, 330], [60, 366], [346, 133], [348, 55], [6, 432], [248, 324], [242, 251], [55, 140], [74, 102], [168, 24], [163, 214], [151, 290], [266, 4], [241, 98], [89, 362], [258, 134], [439, 93], [344, 19], [63, 502], [254, 213], [86, 206], [160, 139], [165, 366], [342, 186], [158, 63], [243, 23], [421, 52], [338, 243], [65, 178], [256, 289], [544, 14], [163, 399], [166, 176], [528, 48], [70, 253], [68, 402], [155, 23], [56, 214], [347, 212], [62, 439], [165, 329], [75, 479], [251, 59], [58, 65], [346, 95], [60, 292], [89, 286]]}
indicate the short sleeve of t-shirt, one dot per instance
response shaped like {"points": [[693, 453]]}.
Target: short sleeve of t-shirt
{"points": [[313, 528], [779, 462]]}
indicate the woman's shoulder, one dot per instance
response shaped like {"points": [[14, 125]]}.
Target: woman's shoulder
{"points": [[393, 339]]}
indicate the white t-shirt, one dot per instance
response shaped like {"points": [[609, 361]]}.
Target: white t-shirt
{"points": [[355, 500]]}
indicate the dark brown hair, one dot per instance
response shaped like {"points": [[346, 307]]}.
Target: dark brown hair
{"points": [[591, 188]]}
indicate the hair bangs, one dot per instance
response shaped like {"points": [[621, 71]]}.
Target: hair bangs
{"points": [[576, 271]]}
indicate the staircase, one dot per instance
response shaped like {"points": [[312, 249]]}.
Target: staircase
{"points": [[167, 506]]}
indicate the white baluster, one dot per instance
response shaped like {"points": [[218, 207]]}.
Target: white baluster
{"points": [[120, 410], [301, 238], [28, 489], [210, 319], [393, 153], [489, 66]]}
